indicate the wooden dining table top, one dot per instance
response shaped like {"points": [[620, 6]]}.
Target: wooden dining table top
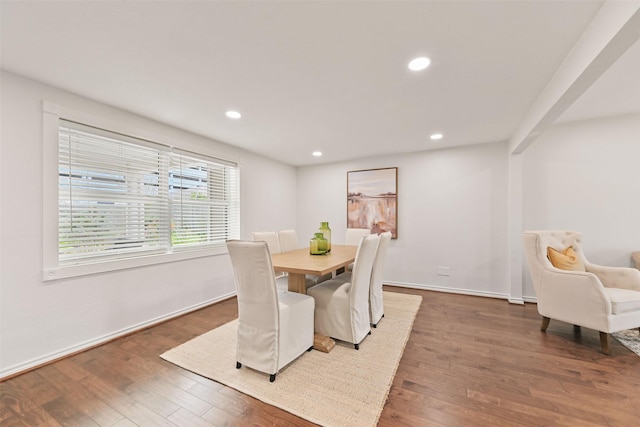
{"points": [[300, 261]]}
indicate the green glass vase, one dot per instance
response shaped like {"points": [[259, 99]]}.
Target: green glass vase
{"points": [[318, 245], [326, 232]]}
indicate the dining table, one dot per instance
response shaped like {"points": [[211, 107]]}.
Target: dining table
{"points": [[298, 263]]}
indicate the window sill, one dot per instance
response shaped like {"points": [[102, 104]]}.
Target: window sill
{"points": [[68, 271]]}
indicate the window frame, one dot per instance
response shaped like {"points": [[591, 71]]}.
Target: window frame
{"points": [[52, 268]]}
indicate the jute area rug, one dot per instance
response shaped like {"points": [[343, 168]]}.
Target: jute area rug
{"points": [[343, 388], [630, 339]]}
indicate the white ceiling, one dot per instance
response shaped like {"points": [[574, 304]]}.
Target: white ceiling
{"points": [[315, 75]]}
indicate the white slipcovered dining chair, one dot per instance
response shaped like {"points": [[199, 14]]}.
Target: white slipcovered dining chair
{"points": [[288, 240], [342, 308], [353, 237], [376, 300], [606, 299], [271, 237], [273, 241], [274, 327]]}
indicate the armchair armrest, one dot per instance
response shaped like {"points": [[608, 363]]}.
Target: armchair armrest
{"points": [[573, 296], [616, 277]]}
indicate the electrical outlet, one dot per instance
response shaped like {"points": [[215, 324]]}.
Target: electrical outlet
{"points": [[443, 271]]}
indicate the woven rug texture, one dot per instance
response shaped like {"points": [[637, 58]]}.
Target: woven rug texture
{"points": [[630, 339], [342, 388]]}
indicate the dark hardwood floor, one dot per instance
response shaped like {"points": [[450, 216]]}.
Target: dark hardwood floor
{"points": [[470, 361]]}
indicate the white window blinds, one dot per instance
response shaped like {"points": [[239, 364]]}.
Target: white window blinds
{"points": [[204, 201], [121, 197]]}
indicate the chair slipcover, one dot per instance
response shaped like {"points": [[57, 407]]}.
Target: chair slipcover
{"points": [[342, 308], [273, 241], [352, 238], [274, 328], [606, 299], [288, 240], [376, 303], [353, 235], [271, 237]]}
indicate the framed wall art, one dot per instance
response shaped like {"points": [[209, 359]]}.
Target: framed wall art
{"points": [[372, 200]]}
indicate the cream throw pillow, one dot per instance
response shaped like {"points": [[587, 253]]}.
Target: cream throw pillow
{"points": [[565, 260]]}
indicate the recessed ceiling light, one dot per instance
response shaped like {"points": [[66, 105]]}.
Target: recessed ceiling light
{"points": [[317, 153], [420, 63], [233, 114], [436, 136]]}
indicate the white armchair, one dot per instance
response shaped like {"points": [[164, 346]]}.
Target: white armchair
{"points": [[274, 328], [606, 299]]}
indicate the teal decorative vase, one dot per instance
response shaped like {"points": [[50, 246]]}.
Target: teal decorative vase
{"points": [[326, 232], [318, 245]]}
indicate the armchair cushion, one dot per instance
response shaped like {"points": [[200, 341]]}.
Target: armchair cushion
{"points": [[623, 300], [565, 260]]}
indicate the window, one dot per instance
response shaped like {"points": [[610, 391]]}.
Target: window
{"points": [[199, 192], [122, 197]]}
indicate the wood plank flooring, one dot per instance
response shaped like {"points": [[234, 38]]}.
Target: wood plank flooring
{"points": [[470, 361]]}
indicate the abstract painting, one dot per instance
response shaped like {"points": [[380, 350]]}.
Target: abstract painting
{"points": [[372, 200]]}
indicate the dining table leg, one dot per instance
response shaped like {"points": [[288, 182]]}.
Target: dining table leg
{"points": [[297, 283]]}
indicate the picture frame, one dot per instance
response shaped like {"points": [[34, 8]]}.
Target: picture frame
{"points": [[372, 200]]}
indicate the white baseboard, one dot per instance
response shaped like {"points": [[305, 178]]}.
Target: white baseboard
{"points": [[426, 287], [448, 290], [43, 360]]}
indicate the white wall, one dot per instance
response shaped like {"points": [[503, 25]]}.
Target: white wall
{"points": [[585, 176], [40, 321], [452, 212]]}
